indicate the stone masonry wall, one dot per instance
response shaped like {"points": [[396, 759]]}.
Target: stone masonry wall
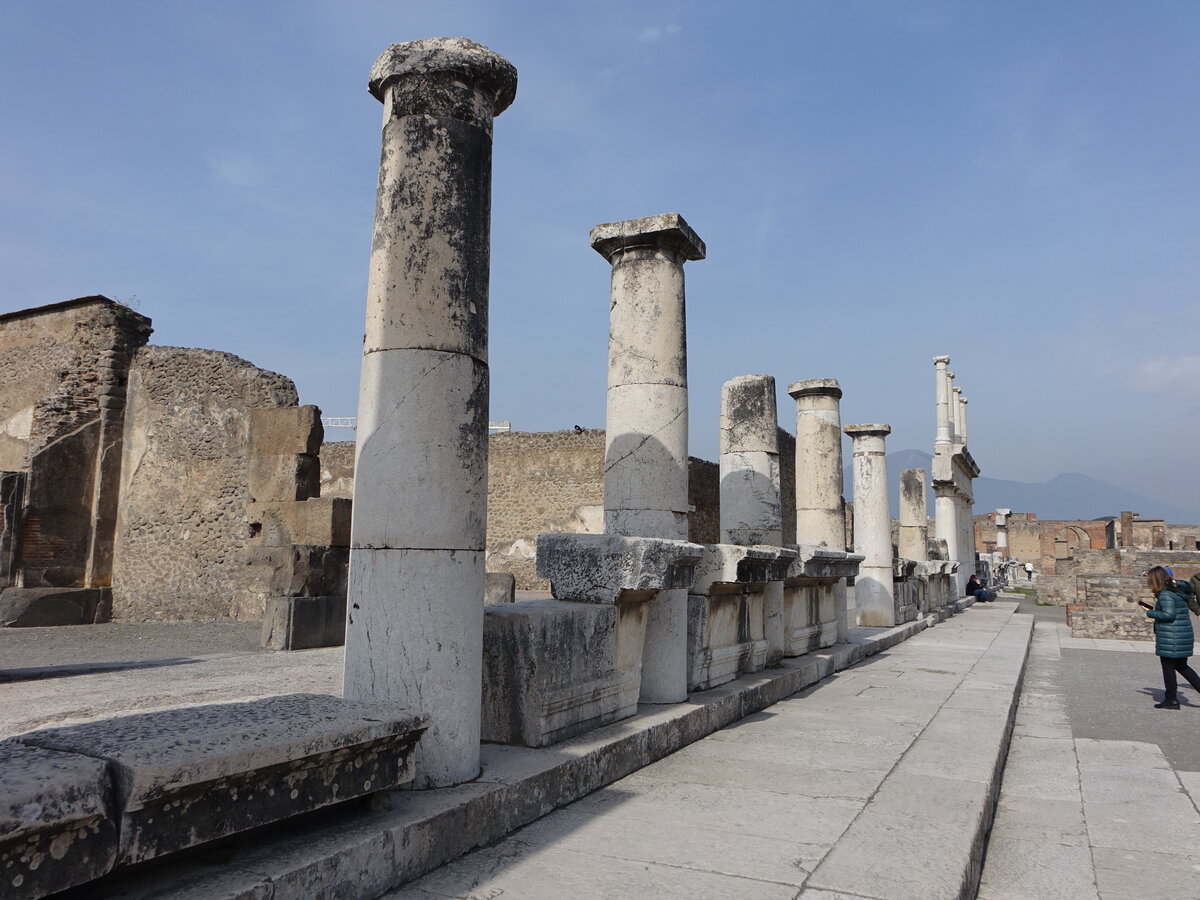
{"points": [[182, 528], [337, 469]]}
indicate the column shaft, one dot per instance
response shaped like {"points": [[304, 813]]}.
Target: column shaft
{"points": [[646, 456], [873, 589], [914, 515], [414, 632], [820, 516]]}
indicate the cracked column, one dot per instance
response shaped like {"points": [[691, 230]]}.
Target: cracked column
{"points": [[414, 632], [914, 515], [751, 511], [873, 592], [820, 507], [645, 454]]}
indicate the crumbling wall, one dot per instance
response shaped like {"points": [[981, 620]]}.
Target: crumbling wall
{"points": [[182, 528]]}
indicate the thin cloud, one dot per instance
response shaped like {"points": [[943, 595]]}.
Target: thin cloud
{"points": [[1171, 375], [655, 33]]}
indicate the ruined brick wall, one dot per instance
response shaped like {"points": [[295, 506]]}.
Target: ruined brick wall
{"points": [[182, 528], [1084, 534], [540, 482], [1183, 537], [337, 469]]}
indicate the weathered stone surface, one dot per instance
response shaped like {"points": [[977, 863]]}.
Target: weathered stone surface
{"points": [[499, 587], [186, 776], [814, 561], [35, 607], [810, 614], [601, 568], [914, 515], [873, 592], [819, 506], [553, 669], [301, 623], [734, 564], [300, 570], [57, 821], [286, 476], [286, 430], [316, 521]]}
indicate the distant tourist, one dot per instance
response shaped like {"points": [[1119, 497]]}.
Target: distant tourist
{"points": [[1029, 571], [977, 590], [1173, 634]]}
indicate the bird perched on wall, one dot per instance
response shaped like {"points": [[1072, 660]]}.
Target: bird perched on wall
{"points": [[579, 429]]}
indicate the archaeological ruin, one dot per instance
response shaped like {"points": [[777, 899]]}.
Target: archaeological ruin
{"points": [[494, 594]]}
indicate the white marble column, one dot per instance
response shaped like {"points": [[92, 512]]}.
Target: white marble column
{"points": [[956, 409], [962, 418], [820, 508], [942, 384], [914, 515], [414, 633], [646, 455], [873, 591], [751, 511]]}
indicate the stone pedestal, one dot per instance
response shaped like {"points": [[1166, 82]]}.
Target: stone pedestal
{"points": [[415, 624], [872, 526], [814, 598], [646, 458]]}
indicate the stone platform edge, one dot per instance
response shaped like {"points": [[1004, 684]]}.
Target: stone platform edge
{"points": [[403, 834]]}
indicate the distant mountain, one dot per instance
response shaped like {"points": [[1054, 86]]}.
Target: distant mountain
{"points": [[1070, 495]]}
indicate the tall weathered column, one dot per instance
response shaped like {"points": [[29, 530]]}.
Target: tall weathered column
{"points": [[962, 418], [942, 385], [414, 631], [820, 508], [914, 515], [956, 407], [955, 438], [946, 526], [645, 454], [751, 510], [873, 591]]}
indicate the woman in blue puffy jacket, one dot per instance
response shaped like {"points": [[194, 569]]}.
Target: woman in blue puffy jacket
{"points": [[1173, 635]]}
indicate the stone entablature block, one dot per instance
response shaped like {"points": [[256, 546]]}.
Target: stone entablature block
{"points": [[822, 562], [609, 568]]}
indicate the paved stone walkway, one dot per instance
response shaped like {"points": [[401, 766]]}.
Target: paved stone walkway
{"points": [[877, 782], [1082, 817]]}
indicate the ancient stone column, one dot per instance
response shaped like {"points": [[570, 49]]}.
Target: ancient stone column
{"points": [[873, 591], [414, 631], [751, 511], [914, 515], [956, 406], [942, 383], [1002, 532], [820, 510], [819, 516], [645, 453]]}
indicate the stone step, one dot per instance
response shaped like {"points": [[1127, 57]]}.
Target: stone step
{"points": [[407, 833], [83, 799]]}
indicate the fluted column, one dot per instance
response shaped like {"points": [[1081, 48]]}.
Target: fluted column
{"points": [[873, 591], [414, 633], [646, 451]]}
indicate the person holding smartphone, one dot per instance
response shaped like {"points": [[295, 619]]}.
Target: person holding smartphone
{"points": [[1173, 634]]}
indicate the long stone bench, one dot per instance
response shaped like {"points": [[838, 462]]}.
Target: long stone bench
{"points": [[84, 799]]}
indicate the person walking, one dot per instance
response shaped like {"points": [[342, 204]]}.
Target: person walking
{"points": [[1029, 571], [1173, 634]]}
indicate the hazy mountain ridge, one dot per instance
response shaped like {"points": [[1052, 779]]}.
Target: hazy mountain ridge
{"points": [[1070, 495]]}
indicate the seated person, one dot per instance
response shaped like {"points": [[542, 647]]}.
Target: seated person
{"points": [[977, 590]]}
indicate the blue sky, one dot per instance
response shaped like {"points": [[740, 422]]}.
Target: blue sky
{"points": [[1012, 183]]}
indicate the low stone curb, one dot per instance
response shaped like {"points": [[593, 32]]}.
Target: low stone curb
{"points": [[356, 852]]}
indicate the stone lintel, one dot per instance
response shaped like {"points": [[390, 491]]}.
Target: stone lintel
{"points": [[815, 387], [186, 776], [600, 568], [736, 564], [447, 56], [814, 561], [667, 231], [872, 430]]}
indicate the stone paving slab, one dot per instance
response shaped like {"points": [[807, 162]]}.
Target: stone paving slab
{"points": [[405, 834], [831, 793], [1089, 818]]}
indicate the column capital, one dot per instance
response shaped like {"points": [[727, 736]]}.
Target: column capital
{"points": [[958, 391], [815, 387], [437, 69], [667, 231], [941, 360], [862, 431]]}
